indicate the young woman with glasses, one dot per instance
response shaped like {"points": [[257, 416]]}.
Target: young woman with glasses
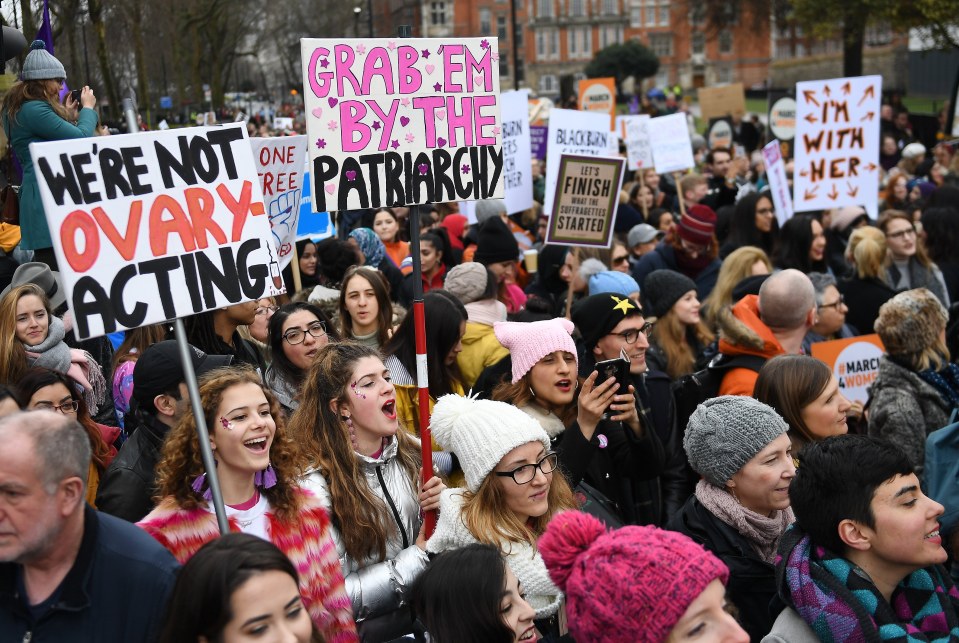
{"points": [[512, 492], [598, 435], [42, 388], [297, 332], [753, 224], [908, 265]]}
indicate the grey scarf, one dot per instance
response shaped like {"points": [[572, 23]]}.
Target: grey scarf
{"points": [[52, 352], [763, 533]]}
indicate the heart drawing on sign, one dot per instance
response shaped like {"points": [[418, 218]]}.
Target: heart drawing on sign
{"points": [[317, 111], [441, 114], [423, 168], [404, 120], [430, 69], [351, 175], [330, 188], [332, 101], [440, 142]]}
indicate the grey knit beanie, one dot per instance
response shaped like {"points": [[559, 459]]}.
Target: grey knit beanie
{"points": [[41, 65], [489, 208], [724, 433], [467, 282], [662, 289]]}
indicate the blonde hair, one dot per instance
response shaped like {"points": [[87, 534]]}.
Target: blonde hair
{"points": [[180, 461], [672, 336], [867, 251], [735, 267], [13, 357]]}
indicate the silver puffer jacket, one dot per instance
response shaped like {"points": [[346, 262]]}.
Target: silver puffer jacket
{"points": [[378, 588]]}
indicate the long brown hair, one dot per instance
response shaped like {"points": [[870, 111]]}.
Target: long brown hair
{"points": [[180, 461], [381, 288], [362, 517], [790, 383], [672, 336], [521, 394], [13, 357], [27, 90], [487, 516]]}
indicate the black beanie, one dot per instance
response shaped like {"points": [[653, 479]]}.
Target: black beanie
{"points": [[496, 243], [663, 288], [599, 314]]}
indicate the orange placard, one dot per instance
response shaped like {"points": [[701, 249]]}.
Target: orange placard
{"points": [[854, 361], [599, 95]]}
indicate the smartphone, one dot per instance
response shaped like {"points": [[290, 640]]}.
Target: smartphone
{"points": [[618, 368], [76, 95]]}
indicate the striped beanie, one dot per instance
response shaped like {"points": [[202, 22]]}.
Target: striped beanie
{"points": [[698, 225]]}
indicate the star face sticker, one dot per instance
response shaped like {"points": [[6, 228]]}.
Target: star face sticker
{"points": [[623, 304], [437, 87]]}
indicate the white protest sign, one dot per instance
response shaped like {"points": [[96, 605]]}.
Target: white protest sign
{"points": [[280, 164], [282, 122], [837, 144], [402, 122], [638, 152], [573, 132], [153, 226], [669, 138], [517, 157], [778, 183]]}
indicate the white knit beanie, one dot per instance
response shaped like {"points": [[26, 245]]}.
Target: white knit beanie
{"points": [[481, 432]]}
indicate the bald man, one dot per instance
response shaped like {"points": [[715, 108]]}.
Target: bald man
{"points": [[773, 323]]}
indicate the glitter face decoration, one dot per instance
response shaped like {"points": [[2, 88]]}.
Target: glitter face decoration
{"points": [[355, 392], [226, 424]]}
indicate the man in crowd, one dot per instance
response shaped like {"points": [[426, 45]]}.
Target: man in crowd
{"points": [[68, 572], [160, 397], [721, 187]]}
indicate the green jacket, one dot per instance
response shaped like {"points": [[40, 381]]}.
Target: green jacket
{"points": [[37, 122]]}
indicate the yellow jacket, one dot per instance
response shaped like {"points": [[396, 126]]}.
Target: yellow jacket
{"points": [[480, 349]]}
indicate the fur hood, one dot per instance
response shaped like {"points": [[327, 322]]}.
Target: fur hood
{"points": [[742, 332]]}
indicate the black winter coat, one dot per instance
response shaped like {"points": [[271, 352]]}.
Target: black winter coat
{"points": [[752, 581], [128, 485]]}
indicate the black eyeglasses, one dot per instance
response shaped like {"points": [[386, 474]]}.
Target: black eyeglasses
{"points": [[297, 335], [630, 336], [263, 310], [836, 304], [526, 473], [66, 408]]}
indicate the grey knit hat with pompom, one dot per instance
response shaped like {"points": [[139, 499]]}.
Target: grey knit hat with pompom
{"points": [[40, 64]]}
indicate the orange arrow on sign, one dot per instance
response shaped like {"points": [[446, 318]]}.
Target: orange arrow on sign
{"points": [[810, 118], [803, 172], [810, 97], [870, 93], [870, 167], [852, 190], [826, 90], [835, 193], [868, 117], [809, 195], [846, 88]]}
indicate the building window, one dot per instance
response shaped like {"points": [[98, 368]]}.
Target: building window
{"points": [[724, 75], [579, 41], [662, 78], [519, 39], [545, 9], [547, 43], [577, 8], [635, 17], [503, 66], [501, 29], [609, 35], [725, 41], [554, 43], [699, 43], [697, 13], [610, 8], [664, 14], [485, 25], [650, 8], [520, 73], [547, 83], [661, 44], [438, 13]]}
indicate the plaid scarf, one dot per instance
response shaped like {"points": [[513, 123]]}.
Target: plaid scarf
{"points": [[841, 604]]}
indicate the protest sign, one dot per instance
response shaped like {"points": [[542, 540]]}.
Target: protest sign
{"points": [[669, 138], [782, 120], [854, 361], [312, 225], [586, 198], [638, 153], [598, 95], [402, 122], [778, 183], [282, 123], [837, 144], [720, 134], [717, 102], [517, 156], [279, 163], [574, 132], [537, 141], [154, 226]]}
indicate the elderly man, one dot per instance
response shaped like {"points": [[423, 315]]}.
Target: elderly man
{"points": [[67, 572]]}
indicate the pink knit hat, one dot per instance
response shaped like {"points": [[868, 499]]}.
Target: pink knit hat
{"points": [[530, 342], [628, 585]]}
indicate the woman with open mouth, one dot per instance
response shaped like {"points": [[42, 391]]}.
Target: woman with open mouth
{"points": [[365, 471], [512, 491], [258, 468]]}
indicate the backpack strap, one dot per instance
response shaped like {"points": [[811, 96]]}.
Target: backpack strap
{"points": [[728, 362]]}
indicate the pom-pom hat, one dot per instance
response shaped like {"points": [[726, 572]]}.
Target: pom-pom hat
{"points": [[481, 432], [40, 64], [530, 342], [628, 585]]}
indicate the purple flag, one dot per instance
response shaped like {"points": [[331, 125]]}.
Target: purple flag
{"points": [[45, 33]]}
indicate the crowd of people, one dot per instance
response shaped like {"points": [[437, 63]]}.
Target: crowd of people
{"points": [[629, 444]]}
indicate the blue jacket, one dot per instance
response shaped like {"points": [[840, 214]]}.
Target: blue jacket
{"points": [[116, 591], [664, 257], [36, 122]]}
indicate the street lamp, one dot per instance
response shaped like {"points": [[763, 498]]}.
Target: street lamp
{"points": [[356, 21]]}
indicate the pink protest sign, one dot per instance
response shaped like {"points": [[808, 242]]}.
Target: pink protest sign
{"points": [[402, 122]]}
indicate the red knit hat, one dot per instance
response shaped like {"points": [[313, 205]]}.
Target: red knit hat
{"points": [[628, 585], [698, 225]]}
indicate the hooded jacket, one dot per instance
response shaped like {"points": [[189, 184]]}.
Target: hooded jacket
{"points": [[378, 588], [742, 332]]}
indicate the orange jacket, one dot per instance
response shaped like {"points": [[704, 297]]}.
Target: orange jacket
{"points": [[742, 332]]}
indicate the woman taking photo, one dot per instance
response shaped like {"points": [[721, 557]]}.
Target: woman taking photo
{"points": [[512, 492], [598, 436], [679, 337], [806, 394], [297, 333], [42, 388], [674, 589], [237, 588], [802, 245], [365, 472], [740, 509], [258, 468], [32, 113], [366, 312], [908, 264], [470, 595], [31, 335]]}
